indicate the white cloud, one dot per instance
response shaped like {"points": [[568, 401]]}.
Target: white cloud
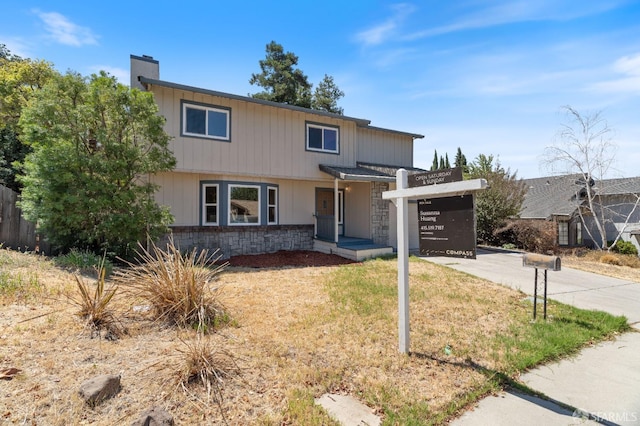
{"points": [[508, 12], [382, 32], [63, 31], [627, 69], [628, 64]]}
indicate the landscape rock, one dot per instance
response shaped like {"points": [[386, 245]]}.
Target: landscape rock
{"points": [[155, 416], [99, 388]]}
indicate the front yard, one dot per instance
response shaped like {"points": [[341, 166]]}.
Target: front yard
{"points": [[295, 334]]}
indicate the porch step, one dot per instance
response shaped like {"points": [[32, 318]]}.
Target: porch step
{"points": [[358, 244], [353, 248]]}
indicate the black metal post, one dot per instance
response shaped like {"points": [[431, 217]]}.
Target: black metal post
{"points": [[545, 294], [535, 294]]}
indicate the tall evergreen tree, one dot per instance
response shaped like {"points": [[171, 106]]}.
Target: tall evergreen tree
{"points": [[284, 83], [447, 165], [435, 165], [326, 96], [280, 80], [460, 161]]}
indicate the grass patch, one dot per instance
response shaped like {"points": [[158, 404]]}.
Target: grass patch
{"points": [[566, 331], [301, 333], [85, 262], [16, 285], [453, 324]]}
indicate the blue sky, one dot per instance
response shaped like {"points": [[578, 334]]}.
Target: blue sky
{"points": [[487, 76]]}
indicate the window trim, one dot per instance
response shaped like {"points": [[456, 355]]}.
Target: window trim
{"points": [[275, 205], [204, 204], [204, 107], [309, 125], [230, 187]]}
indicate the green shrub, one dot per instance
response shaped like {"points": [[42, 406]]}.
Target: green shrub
{"points": [[625, 247], [84, 261]]}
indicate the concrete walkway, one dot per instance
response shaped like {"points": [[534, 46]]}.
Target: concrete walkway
{"points": [[601, 385]]}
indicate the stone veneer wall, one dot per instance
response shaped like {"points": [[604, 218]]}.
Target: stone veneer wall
{"points": [[379, 213], [239, 240]]}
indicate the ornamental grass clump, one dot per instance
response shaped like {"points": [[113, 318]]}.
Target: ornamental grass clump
{"points": [[95, 304], [204, 362], [177, 287]]}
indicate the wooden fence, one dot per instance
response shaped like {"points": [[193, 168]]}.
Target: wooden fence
{"points": [[15, 231]]}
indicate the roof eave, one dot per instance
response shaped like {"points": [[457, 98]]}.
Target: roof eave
{"points": [[151, 81]]}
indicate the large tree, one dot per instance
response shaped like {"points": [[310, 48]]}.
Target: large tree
{"points": [[584, 146], [500, 201], [95, 144], [280, 80], [283, 83], [19, 80], [460, 160], [327, 95]]}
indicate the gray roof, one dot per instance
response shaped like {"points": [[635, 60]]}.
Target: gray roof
{"points": [[556, 195], [367, 172], [360, 122], [619, 186]]}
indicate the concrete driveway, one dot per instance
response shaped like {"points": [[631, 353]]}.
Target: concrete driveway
{"points": [[601, 385], [571, 286]]}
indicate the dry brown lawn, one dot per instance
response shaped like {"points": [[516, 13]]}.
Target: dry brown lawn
{"points": [[293, 337], [625, 267]]}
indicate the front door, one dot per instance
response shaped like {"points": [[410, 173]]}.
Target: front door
{"points": [[325, 213]]}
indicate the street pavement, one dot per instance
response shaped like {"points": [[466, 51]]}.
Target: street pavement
{"points": [[600, 385]]}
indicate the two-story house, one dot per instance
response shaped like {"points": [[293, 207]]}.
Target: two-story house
{"points": [[255, 176]]}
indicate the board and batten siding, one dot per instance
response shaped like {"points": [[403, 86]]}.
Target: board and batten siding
{"points": [[181, 193], [266, 141], [382, 147]]}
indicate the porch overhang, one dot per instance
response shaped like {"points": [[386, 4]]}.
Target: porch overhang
{"points": [[366, 172]]}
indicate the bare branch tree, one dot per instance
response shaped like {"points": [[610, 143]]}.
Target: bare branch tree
{"points": [[584, 146]]}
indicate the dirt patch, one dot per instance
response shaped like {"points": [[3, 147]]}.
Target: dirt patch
{"points": [[284, 258]]}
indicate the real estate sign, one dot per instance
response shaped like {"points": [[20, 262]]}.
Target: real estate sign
{"points": [[435, 177], [446, 224], [446, 227]]}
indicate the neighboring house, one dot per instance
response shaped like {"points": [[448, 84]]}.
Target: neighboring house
{"points": [[557, 199], [255, 176]]}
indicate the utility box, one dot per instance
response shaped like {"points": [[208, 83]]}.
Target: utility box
{"points": [[541, 261]]}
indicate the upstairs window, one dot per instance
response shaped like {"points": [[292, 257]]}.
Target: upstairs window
{"points": [[206, 121], [323, 138]]}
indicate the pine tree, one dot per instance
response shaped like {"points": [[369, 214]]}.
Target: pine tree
{"points": [[435, 166]]}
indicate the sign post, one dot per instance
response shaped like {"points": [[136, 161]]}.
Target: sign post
{"points": [[400, 197]]}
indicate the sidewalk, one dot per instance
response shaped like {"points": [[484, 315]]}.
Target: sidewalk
{"points": [[601, 385]]}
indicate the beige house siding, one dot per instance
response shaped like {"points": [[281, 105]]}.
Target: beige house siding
{"points": [[383, 147], [265, 141], [358, 209], [296, 198]]}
